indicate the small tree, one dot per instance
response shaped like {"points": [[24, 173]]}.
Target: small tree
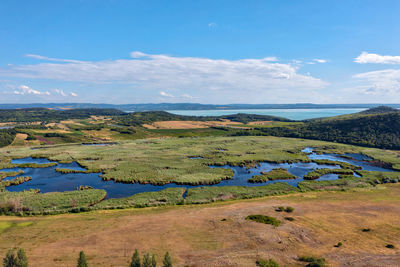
{"points": [[21, 259], [17, 259], [135, 259], [9, 260], [167, 262], [82, 260], [146, 260], [153, 261]]}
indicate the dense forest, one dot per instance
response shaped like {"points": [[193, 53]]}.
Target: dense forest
{"points": [[44, 114], [6, 136], [375, 130]]}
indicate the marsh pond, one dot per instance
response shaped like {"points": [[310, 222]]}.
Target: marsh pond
{"points": [[53, 179]]}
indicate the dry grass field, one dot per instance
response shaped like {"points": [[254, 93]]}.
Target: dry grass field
{"points": [[188, 124], [218, 234], [260, 122]]}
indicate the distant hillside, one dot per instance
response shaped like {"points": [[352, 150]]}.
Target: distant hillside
{"points": [[375, 128], [139, 118], [44, 114], [187, 106], [379, 110]]}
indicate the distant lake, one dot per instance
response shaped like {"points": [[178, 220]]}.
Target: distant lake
{"points": [[293, 114]]}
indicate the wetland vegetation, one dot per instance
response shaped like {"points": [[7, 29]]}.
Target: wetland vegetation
{"points": [[103, 160]]}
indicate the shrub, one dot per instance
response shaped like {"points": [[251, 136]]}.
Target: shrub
{"points": [[267, 263], [291, 219], [146, 260], [280, 209], [289, 209], [16, 258], [135, 259], [9, 260], [366, 230], [390, 246], [264, 219], [167, 262], [82, 260], [313, 262], [338, 245]]}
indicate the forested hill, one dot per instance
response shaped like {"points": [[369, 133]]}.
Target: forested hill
{"points": [[139, 118], [371, 128], [44, 114], [379, 110]]}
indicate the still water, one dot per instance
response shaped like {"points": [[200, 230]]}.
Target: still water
{"points": [[293, 114]]}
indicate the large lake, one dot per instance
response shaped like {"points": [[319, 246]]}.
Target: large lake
{"points": [[293, 114]]}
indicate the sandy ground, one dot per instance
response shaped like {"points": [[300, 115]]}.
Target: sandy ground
{"points": [[219, 235], [188, 124]]}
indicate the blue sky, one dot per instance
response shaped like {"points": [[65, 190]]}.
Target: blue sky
{"points": [[111, 51]]}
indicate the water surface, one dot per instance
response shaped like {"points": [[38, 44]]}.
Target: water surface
{"points": [[293, 114]]}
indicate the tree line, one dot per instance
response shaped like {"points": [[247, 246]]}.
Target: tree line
{"points": [[16, 257]]}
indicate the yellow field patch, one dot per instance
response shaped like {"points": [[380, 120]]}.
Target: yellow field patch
{"points": [[104, 134], [52, 131], [260, 122], [188, 124]]}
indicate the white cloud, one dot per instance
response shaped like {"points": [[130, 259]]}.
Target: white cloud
{"points": [[51, 59], [270, 59], [187, 96], [212, 25], [167, 71], [165, 94], [137, 54], [384, 83], [232, 79], [318, 60], [64, 94], [61, 92], [366, 57], [26, 90]]}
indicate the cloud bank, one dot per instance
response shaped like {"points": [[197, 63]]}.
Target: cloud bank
{"points": [[384, 83], [161, 72], [366, 58], [26, 90]]}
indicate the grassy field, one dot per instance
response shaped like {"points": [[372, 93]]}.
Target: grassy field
{"points": [[219, 234], [275, 174]]}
